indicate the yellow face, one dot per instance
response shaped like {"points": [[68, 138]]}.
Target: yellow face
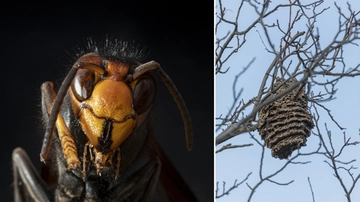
{"points": [[107, 117], [104, 104]]}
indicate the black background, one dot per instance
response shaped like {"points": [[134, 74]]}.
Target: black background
{"points": [[179, 35]]}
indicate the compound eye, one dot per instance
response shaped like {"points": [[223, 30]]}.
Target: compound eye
{"points": [[83, 84], [144, 94]]}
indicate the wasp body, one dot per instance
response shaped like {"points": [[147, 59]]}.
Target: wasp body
{"points": [[103, 148]]}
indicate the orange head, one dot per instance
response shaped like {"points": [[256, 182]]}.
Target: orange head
{"points": [[108, 102]]}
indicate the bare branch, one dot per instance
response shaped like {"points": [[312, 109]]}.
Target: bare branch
{"points": [[229, 146], [311, 189], [234, 186]]}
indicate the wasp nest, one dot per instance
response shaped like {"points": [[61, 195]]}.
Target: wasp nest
{"points": [[285, 123]]}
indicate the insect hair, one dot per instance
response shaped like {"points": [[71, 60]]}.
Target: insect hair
{"points": [[110, 49]]}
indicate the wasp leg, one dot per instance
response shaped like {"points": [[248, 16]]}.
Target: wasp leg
{"points": [[141, 185], [28, 185], [48, 96]]}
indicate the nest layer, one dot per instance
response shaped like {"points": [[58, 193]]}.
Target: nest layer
{"points": [[285, 123]]}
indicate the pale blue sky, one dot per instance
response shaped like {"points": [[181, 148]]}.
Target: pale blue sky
{"points": [[237, 163]]}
